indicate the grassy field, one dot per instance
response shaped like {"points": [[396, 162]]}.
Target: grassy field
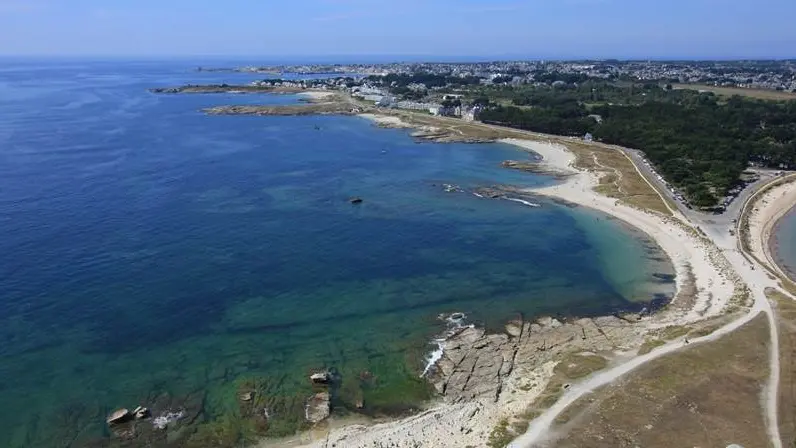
{"points": [[785, 309], [619, 178], [572, 367], [762, 94], [707, 395]]}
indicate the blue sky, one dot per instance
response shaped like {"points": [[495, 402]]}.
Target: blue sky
{"points": [[421, 28]]}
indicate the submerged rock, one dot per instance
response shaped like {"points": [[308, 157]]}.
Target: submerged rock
{"points": [[523, 166], [118, 416], [514, 327], [491, 193], [318, 407]]}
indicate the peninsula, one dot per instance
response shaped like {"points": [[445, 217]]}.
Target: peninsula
{"points": [[226, 88]]}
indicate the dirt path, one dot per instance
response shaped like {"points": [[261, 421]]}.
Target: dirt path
{"points": [[772, 388]]}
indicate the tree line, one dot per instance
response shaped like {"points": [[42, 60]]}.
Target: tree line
{"points": [[698, 141]]}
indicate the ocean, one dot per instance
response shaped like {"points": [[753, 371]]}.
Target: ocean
{"points": [[156, 256]]}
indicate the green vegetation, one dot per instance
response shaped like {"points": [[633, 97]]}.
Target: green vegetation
{"points": [[650, 345], [697, 140], [500, 435], [673, 332], [399, 83]]}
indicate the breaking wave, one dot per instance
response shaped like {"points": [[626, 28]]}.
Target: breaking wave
{"points": [[454, 323]]}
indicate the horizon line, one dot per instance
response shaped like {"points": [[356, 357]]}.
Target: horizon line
{"points": [[399, 58]]}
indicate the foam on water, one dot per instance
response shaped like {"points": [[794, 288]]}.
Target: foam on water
{"points": [[163, 420], [522, 201], [434, 356], [454, 323]]}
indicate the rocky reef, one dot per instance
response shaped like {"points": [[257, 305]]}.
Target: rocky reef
{"points": [[476, 365], [325, 108], [226, 88]]}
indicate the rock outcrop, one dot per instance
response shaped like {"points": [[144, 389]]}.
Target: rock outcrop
{"points": [[321, 378], [141, 413], [119, 416], [475, 365], [318, 407]]}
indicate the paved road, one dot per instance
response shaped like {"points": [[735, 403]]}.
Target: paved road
{"points": [[722, 220]]}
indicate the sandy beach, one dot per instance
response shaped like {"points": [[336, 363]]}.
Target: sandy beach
{"points": [[705, 283], [316, 95], [388, 121]]}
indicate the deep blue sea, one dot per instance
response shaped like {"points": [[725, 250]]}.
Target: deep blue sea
{"points": [[154, 255]]}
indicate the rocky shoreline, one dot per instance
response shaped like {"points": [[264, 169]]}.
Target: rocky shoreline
{"points": [[226, 88], [422, 132], [325, 108], [475, 365]]}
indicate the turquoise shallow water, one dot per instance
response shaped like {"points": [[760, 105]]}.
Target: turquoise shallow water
{"points": [[151, 251]]}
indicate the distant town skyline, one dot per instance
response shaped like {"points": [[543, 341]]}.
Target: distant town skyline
{"points": [[410, 29]]}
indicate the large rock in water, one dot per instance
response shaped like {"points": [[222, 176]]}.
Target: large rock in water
{"points": [[118, 416], [140, 413], [317, 408], [321, 378]]}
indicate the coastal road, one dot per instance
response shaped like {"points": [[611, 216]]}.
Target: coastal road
{"points": [[724, 220]]}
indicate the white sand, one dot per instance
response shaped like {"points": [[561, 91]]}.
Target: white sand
{"points": [[387, 120], [469, 424], [316, 94]]}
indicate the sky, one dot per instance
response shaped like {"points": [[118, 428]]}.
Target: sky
{"points": [[424, 29]]}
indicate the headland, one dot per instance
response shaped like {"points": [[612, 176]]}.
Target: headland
{"points": [[227, 88]]}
